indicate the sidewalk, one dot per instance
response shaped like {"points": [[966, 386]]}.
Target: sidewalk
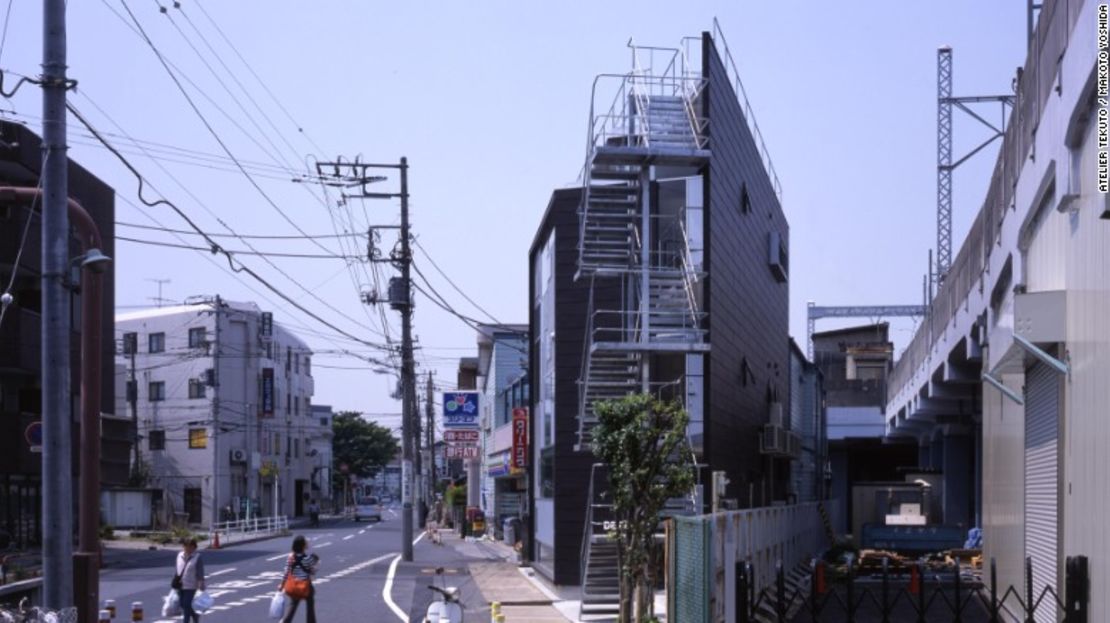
{"points": [[484, 572]]}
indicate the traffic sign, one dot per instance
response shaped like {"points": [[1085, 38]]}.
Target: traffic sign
{"points": [[460, 410]]}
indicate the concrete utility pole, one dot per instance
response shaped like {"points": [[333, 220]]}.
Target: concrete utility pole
{"points": [[429, 413], [355, 174], [57, 472]]}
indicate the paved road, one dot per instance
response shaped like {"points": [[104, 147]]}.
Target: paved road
{"points": [[354, 561]]}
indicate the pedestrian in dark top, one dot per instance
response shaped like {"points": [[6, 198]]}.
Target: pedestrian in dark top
{"points": [[188, 578], [300, 566]]}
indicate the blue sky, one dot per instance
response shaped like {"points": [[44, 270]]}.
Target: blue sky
{"points": [[489, 101]]}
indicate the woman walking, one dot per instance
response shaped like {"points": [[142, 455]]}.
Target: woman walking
{"points": [[188, 578], [300, 566]]}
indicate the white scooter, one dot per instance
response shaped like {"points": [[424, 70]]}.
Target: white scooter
{"points": [[447, 609]]}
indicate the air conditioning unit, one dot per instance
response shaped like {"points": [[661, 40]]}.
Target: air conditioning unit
{"points": [[774, 414], [238, 455], [773, 440]]}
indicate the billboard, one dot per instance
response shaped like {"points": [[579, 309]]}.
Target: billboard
{"points": [[266, 403], [519, 457], [460, 410]]}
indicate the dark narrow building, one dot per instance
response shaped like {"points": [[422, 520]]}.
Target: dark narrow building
{"points": [[666, 272], [20, 338]]}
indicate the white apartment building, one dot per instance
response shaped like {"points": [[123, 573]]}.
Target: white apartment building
{"points": [[223, 399]]}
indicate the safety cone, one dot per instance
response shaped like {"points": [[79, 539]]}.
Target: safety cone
{"points": [[136, 612], [215, 541]]}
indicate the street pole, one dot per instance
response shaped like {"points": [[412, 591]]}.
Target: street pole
{"points": [[429, 413], [57, 473], [356, 174], [408, 375]]}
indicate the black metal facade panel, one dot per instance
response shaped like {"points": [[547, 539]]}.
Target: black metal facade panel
{"points": [[571, 469], [748, 308]]}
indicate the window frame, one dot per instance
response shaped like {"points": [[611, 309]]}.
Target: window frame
{"points": [[198, 438], [160, 338], [196, 389], [156, 396], [198, 337], [156, 435]]}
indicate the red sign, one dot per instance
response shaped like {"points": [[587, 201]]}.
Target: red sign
{"points": [[519, 457], [462, 436]]}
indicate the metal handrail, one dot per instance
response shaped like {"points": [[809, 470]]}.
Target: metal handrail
{"points": [[585, 376], [738, 87], [587, 530]]}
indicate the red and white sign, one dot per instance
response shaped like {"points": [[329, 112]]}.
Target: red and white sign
{"points": [[462, 436], [462, 452], [519, 456]]}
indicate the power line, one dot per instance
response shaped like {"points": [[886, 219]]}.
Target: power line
{"points": [[250, 236], [315, 256], [452, 283], [273, 97], [193, 225], [214, 245]]}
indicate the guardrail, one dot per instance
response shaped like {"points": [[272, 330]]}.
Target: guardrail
{"points": [[255, 527]]}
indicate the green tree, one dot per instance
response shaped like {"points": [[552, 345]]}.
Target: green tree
{"points": [[365, 447], [638, 437]]}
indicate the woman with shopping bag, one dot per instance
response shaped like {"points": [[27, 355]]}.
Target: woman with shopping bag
{"points": [[188, 579], [300, 566]]}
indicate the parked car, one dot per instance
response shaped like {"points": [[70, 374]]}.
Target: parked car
{"points": [[368, 509]]}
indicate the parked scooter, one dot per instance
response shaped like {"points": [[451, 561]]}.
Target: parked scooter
{"points": [[447, 609]]}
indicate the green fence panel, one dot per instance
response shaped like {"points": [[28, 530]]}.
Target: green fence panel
{"points": [[690, 570]]}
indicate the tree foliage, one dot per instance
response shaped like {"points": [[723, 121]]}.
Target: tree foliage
{"points": [[366, 447], [641, 440]]}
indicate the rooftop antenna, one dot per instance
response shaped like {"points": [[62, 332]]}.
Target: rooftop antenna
{"points": [[158, 300]]}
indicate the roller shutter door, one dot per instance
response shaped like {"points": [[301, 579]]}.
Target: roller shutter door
{"points": [[1042, 404]]}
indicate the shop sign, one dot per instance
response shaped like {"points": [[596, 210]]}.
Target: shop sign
{"points": [[520, 438]]}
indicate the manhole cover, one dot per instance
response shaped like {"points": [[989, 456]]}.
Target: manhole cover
{"points": [[432, 571]]}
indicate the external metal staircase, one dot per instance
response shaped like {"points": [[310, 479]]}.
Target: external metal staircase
{"points": [[626, 247]]}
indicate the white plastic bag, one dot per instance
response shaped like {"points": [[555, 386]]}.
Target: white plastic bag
{"points": [[171, 605], [277, 605], [203, 601]]}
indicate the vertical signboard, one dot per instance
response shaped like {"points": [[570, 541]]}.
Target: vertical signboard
{"points": [[267, 402], [266, 326], [519, 457]]}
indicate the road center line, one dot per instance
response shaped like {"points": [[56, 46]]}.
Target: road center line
{"points": [[348, 537], [221, 572], [323, 545], [272, 558]]}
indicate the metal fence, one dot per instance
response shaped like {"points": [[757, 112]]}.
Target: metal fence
{"points": [[910, 594], [702, 552], [231, 531]]}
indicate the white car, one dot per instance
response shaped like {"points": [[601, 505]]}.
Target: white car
{"points": [[368, 509]]}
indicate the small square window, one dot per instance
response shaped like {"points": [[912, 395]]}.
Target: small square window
{"points": [[198, 438], [323, 421], [197, 337], [157, 391], [156, 342], [196, 388], [156, 439]]}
